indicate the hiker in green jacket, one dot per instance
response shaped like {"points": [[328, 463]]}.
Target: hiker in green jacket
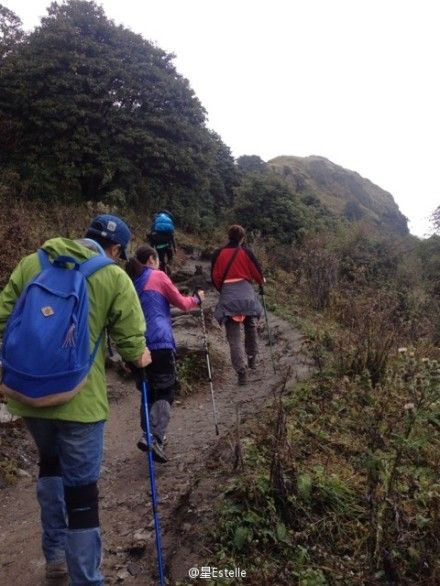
{"points": [[69, 437]]}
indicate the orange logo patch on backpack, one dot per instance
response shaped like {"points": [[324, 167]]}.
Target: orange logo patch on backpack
{"points": [[47, 311]]}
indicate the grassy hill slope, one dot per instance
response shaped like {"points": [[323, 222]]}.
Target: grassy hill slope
{"points": [[342, 191]]}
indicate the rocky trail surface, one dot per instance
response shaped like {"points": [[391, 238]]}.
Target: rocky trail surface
{"points": [[188, 485]]}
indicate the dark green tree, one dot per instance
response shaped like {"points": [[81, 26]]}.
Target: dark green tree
{"points": [[100, 113], [266, 204], [11, 34], [435, 220], [223, 176], [11, 31], [251, 164]]}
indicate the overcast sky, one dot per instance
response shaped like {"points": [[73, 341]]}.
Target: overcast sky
{"points": [[356, 81]]}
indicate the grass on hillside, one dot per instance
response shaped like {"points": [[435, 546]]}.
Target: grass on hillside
{"points": [[341, 486]]}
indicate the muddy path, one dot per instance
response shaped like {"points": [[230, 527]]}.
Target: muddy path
{"points": [[188, 485]]}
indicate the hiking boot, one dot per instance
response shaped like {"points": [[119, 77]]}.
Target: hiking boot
{"points": [[158, 453], [56, 569], [142, 444], [156, 448], [252, 360], [242, 378]]}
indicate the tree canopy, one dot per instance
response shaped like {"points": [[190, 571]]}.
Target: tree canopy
{"points": [[96, 112], [89, 110], [11, 31], [266, 204], [435, 220]]}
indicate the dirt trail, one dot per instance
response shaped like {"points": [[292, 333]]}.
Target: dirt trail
{"points": [[187, 484]]}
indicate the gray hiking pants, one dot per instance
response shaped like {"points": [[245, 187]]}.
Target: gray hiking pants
{"points": [[161, 373], [160, 414], [233, 335]]}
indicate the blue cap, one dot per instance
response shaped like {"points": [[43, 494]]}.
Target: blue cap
{"points": [[112, 228]]}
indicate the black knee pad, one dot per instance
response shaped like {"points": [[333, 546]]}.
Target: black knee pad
{"points": [[49, 466], [82, 506], [167, 394]]}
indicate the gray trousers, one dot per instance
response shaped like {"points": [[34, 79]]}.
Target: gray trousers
{"points": [[233, 335]]}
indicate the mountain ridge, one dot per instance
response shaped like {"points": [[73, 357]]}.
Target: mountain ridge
{"points": [[344, 192]]}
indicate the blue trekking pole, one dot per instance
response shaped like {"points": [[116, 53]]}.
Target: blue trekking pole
{"points": [[148, 439], [268, 327]]}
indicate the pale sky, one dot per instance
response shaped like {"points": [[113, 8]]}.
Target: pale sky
{"points": [[356, 81]]}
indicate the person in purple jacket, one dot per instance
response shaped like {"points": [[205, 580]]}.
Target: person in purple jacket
{"points": [[157, 293]]}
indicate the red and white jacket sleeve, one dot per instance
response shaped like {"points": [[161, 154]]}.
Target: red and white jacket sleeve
{"points": [[174, 297]]}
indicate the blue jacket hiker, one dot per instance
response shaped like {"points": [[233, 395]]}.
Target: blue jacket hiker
{"points": [[162, 238], [157, 293], [69, 434]]}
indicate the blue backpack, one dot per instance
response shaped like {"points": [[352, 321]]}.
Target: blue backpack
{"points": [[162, 223], [46, 347]]}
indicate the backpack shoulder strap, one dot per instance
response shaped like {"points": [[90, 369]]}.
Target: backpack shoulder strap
{"points": [[229, 265], [87, 268], [91, 265], [43, 257]]}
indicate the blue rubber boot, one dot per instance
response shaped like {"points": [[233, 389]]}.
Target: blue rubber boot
{"points": [[50, 495], [83, 553]]}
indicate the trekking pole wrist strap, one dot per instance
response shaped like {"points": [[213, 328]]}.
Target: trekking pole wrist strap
{"points": [[196, 294]]}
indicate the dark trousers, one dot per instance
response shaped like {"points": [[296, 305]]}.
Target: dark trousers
{"points": [[161, 376], [163, 243], [233, 335], [165, 256]]}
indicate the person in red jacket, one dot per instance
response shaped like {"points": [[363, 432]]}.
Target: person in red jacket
{"points": [[233, 268]]}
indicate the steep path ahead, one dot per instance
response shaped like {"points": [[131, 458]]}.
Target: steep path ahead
{"points": [[193, 447]]}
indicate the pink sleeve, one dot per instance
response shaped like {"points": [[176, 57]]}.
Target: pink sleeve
{"points": [[174, 297]]}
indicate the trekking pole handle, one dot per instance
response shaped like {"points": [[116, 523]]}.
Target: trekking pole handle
{"points": [[196, 293], [140, 372]]}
